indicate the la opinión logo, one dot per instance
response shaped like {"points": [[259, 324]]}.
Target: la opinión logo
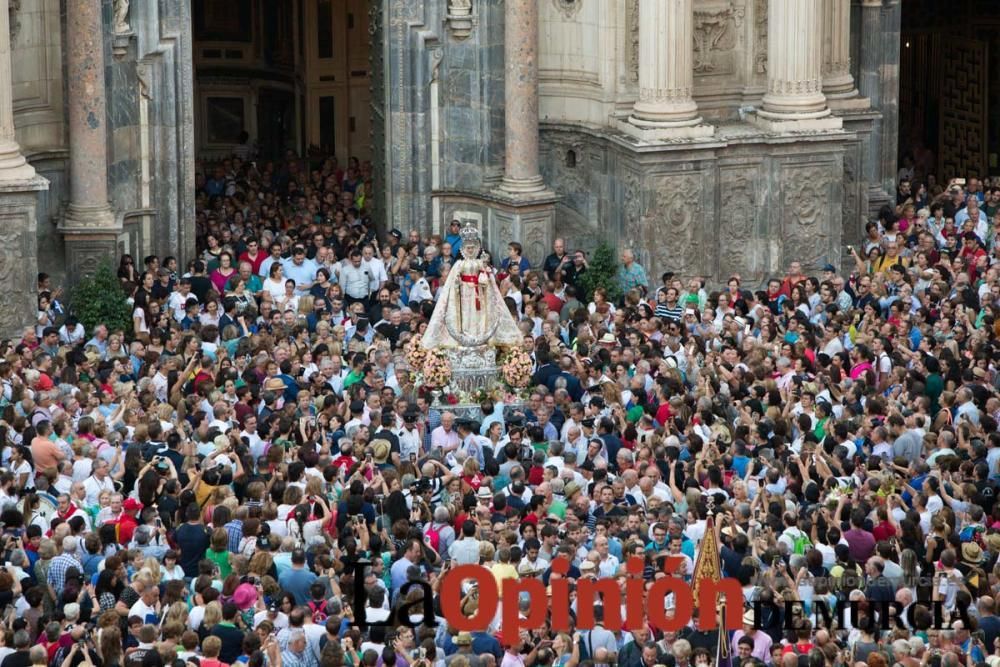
{"points": [[643, 606]]}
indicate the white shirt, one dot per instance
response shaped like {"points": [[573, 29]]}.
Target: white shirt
{"points": [[94, 486], [376, 273], [280, 621], [355, 282], [177, 303], [82, 469], [143, 611], [409, 443], [160, 386]]}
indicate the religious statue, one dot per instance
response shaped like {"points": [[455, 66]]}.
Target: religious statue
{"points": [[470, 311], [121, 26]]}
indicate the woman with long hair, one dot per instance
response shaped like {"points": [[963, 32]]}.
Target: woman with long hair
{"points": [[127, 273], [109, 646]]}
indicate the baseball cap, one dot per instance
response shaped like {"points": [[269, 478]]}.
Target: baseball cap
{"points": [[132, 504]]}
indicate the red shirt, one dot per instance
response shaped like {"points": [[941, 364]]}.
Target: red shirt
{"points": [[883, 531], [536, 475], [126, 527], [800, 648], [254, 261], [554, 303], [663, 414]]}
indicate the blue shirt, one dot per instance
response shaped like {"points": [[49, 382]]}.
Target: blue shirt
{"points": [[303, 274], [297, 582], [399, 569]]}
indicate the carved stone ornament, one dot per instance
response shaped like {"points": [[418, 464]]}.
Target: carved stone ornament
{"points": [[142, 73], [460, 18], [569, 8], [632, 17], [676, 215], [760, 36], [632, 207], [10, 272], [716, 31], [739, 233], [121, 31], [806, 223], [121, 26]]}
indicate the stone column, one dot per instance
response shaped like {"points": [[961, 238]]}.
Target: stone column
{"points": [[870, 86], [794, 99], [88, 214], [892, 14], [521, 175], [666, 71], [523, 208], [838, 84], [19, 187], [13, 166]]}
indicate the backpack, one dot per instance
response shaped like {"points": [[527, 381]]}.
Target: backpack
{"points": [[800, 542], [318, 608], [433, 537]]}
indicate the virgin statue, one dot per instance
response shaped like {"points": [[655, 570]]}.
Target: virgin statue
{"points": [[470, 311]]}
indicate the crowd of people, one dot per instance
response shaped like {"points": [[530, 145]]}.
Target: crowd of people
{"points": [[199, 489]]}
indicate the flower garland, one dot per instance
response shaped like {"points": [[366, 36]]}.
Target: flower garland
{"points": [[516, 369], [416, 356], [437, 369]]}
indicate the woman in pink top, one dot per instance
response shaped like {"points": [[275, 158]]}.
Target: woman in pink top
{"points": [[222, 274]]}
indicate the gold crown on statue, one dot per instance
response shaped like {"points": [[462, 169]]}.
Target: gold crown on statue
{"points": [[472, 241]]}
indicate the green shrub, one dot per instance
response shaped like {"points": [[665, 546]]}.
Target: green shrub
{"points": [[100, 299], [602, 271]]}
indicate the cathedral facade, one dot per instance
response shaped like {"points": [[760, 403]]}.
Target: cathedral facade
{"points": [[712, 137]]}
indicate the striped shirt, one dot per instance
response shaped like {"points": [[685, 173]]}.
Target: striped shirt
{"points": [[665, 312]]}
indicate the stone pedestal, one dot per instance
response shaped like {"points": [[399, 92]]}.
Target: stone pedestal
{"points": [[794, 101], [665, 108], [528, 221], [88, 222]]}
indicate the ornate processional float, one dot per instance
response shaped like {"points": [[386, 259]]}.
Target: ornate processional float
{"points": [[472, 350]]}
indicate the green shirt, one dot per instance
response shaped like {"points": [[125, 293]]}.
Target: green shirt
{"points": [[220, 558], [352, 378], [558, 508]]}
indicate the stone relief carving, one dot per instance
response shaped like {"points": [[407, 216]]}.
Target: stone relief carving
{"points": [[716, 31], [535, 243], [760, 36], [676, 215], [805, 225], [794, 87], [142, 73], [10, 273], [436, 56], [739, 224], [632, 207], [851, 196], [460, 18], [121, 26], [569, 8], [632, 44]]}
